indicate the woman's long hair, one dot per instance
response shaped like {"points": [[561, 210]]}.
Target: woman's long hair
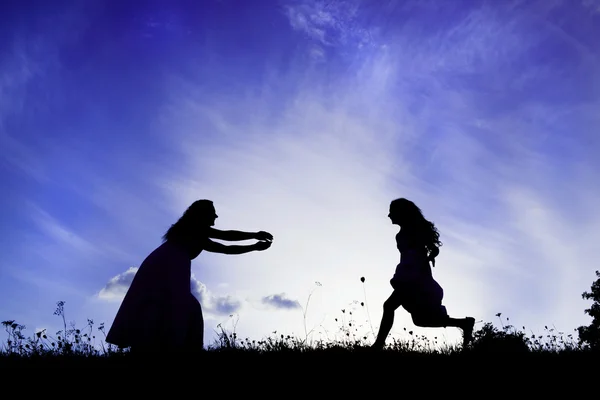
{"points": [[191, 222], [420, 229]]}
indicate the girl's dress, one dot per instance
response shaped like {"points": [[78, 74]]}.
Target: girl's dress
{"points": [[414, 281], [159, 309]]}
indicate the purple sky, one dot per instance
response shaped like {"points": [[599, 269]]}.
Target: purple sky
{"points": [[304, 119]]}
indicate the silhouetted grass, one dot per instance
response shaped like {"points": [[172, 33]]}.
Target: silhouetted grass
{"points": [[72, 346]]}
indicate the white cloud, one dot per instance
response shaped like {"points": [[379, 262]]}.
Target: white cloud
{"points": [[214, 305], [280, 301], [117, 286]]}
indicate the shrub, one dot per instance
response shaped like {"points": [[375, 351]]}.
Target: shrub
{"points": [[589, 336]]}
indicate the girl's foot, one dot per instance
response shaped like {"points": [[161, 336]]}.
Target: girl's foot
{"points": [[376, 347]]}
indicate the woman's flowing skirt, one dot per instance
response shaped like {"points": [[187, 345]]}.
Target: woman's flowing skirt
{"points": [[159, 311]]}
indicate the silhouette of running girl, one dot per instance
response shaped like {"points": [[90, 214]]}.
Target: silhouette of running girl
{"points": [[413, 283], [159, 312]]}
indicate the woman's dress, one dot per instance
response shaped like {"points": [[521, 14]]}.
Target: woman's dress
{"points": [[159, 310]]}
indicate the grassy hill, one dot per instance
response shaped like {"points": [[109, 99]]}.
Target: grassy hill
{"points": [[489, 342]]}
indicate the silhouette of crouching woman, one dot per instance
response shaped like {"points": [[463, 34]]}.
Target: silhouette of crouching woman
{"points": [[159, 313]]}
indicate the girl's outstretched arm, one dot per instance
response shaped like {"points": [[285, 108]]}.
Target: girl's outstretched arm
{"points": [[233, 235]]}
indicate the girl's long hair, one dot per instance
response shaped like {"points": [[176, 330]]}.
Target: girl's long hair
{"points": [[421, 230], [191, 222]]}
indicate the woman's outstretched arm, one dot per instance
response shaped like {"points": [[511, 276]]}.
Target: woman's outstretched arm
{"points": [[232, 235], [215, 247]]}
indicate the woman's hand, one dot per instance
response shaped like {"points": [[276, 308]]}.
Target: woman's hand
{"points": [[262, 235], [262, 245]]}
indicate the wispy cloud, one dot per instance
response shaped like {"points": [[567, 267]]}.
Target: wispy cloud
{"points": [[328, 24], [53, 229], [16, 72], [592, 5]]}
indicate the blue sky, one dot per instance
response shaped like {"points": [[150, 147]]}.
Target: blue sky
{"points": [[304, 119]]}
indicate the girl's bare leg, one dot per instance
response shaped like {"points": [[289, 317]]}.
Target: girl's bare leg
{"points": [[387, 320], [465, 324]]}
